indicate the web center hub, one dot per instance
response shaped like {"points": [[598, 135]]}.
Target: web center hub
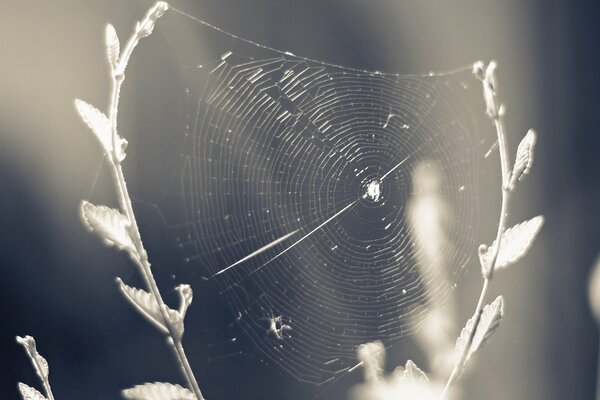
{"points": [[373, 191]]}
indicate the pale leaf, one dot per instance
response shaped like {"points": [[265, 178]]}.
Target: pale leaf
{"points": [[185, 298], [144, 303], [109, 224], [404, 383], [97, 122], [488, 323], [514, 244], [413, 374], [524, 158], [490, 320], [39, 363], [42, 366], [158, 391], [112, 45], [29, 393], [175, 320], [120, 148], [372, 357]]}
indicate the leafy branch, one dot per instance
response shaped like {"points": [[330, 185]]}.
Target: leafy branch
{"points": [[511, 244], [119, 228], [40, 365]]}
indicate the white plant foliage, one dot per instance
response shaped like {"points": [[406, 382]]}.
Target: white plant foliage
{"points": [[489, 322], [112, 45], [145, 29], [185, 298], [110, 224], [524, 158], [514, 244], [120, 148], [408, 382], [158, 391], [97, 122], [411, 382], [372, 357], [29, 393], [144, 303], [175, 320], [413, 374], [489, 90], [39, 363]]}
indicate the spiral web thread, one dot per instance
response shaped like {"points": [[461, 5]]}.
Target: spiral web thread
{"points": [[284, 151]]}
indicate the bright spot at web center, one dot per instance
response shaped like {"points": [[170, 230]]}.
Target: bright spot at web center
{"points": [[373, 190]]}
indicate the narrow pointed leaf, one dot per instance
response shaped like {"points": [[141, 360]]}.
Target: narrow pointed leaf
{"points": [[524, 158], [158, 391], [144, 303], [489, 322], [515, 243], [112, 45], [29, 393], [39, 363], [109, 224], [97, 122]]}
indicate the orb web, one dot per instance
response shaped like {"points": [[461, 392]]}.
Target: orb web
{"points": [[294, 192]]}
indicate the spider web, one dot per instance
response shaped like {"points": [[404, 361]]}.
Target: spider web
{"points": [[294, 194]]}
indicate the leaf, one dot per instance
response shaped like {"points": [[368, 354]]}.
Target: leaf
{"points": [[175, 320], [185, 298], [489, 90], [29, 393], [158, 391], [121, 147], [413, 374], [112, 45], [145, 303], [488, 323], [42, 366], [109, 224], [524, 158], [514, 244], [372, 357], [39, 363], [405, 383], [97, 122]]}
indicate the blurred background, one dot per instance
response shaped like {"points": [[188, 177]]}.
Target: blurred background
{"points": [[57, 281]]}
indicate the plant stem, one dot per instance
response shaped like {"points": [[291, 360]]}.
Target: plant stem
{"points": [[141, 259], [496, 116]]}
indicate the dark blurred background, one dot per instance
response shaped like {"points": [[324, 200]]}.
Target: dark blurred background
{"points": [[57, 281]]}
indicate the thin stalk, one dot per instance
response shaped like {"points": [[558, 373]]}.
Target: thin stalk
{"points": [[143, 29], [495, 112]]}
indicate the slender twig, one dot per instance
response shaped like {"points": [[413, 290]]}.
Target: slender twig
{"points": [[495, 112], [143, 29]]}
